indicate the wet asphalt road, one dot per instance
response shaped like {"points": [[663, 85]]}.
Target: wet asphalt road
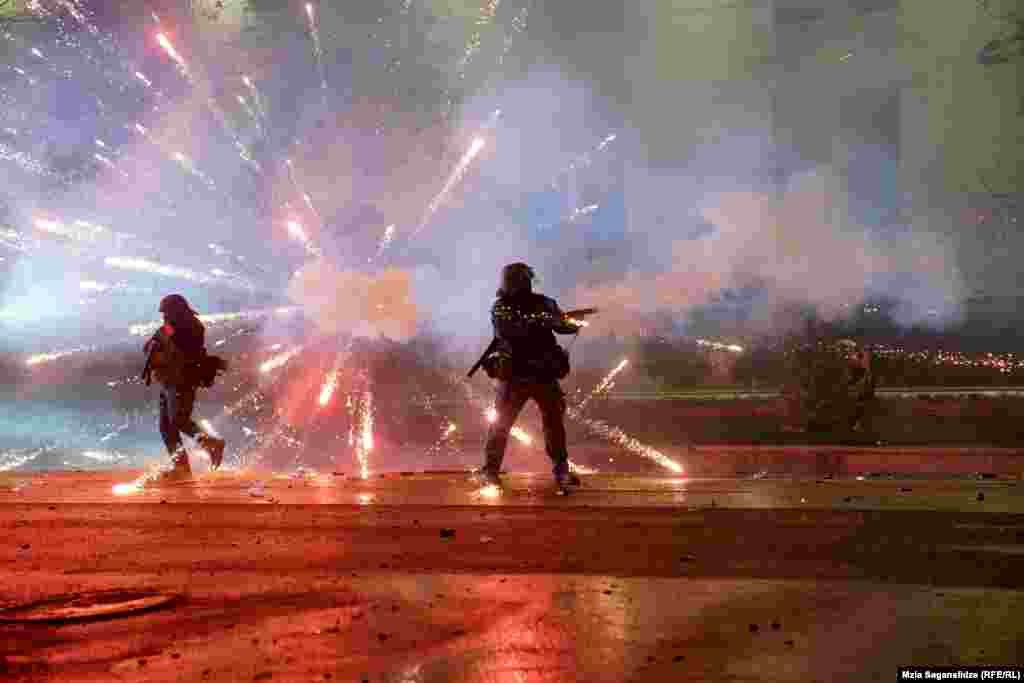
{"points": [[422, 578]]}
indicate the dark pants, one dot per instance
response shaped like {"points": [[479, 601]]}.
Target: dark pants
{"points": [[176, 415], [509, 402]]}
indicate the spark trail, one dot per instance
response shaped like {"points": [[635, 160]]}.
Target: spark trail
{"points": [[141, 329], [457, 174], [302, 193], [280, 360], [42, 358], [605, 384], [298, 233], [314, 32], [620, 438]]}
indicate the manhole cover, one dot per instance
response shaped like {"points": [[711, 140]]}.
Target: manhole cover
{"points": [[85, 606]]}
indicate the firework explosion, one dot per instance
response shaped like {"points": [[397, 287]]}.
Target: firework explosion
{"points": [[145, 148]]}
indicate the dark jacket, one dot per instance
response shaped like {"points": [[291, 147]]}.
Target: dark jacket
{"points": [[525, 325], [175, 351]]}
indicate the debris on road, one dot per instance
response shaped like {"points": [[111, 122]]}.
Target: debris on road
{"points": [[447, 533]]}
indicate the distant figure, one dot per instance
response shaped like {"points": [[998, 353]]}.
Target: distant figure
{"points": [[174, 354], [860, 387], [527, 362]]}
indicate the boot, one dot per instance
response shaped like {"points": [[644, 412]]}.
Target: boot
{"points": [[179, 469], [213, 446], [486, 477]]}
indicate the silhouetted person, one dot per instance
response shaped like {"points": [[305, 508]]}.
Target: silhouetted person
{"points": [[175, 351], [527, 362]]}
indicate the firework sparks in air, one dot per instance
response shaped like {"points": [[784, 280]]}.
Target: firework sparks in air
{"points": [[147, 266], [257, 99], [190, 167], [168, 47], [330, 383], [454, 178], [486, 17], [521, 435], [141, 329], [583, 160], [305, 196], [385, 241], [298, 233], [279, 360], [518, 27], [41, 358], [251, 112], [605, 385], [314, 32]]}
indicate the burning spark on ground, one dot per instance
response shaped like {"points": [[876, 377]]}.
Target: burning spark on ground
{"points": [[580, 469], [625, 441], [490, 491], [365, 439], [718, 346], [521, 436], [126, 489], [279, 360]]}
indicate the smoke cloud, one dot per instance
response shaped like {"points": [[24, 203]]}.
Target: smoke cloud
{"points": [[361, 304]]}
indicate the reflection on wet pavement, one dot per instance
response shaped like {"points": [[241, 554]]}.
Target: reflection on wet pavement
{"points": [[532, 490]]}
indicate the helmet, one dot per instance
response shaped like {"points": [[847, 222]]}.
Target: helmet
{"points": [[174, 305], [516, 277]]}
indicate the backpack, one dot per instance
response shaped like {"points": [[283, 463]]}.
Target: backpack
{"points": [[172, 367], [208, 368], [167, 361]]}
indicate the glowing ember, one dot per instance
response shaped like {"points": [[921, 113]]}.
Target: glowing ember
{"points": [[327, 391], [490, 491], [126, 489], [279, 360], [718, 346]]}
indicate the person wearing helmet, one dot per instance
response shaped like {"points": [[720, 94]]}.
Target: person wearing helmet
{"points": [[527, 362], [175, 351]]}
